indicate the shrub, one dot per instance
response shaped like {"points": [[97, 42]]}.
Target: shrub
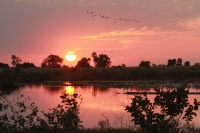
{"points": [[172, 104], [22, 116]]}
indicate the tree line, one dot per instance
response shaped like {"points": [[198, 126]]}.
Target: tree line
{"points": [[101, 60], [55, 61], [171, 62]]}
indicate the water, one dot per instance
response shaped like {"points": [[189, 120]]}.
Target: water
{"points": [[99, 101]]}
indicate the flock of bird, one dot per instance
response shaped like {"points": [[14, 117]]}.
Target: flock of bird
{"points": [[103, 16]]}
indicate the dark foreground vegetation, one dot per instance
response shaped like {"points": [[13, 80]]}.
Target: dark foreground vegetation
{"points": [[189, 73], [21, 115]]}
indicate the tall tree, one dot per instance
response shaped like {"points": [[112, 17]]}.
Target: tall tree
{"points": [[101, 61], [187, 63], [171, 62], [53, 61], [95, 58], [15, 60], [84, 62], [144, 64], [179, 62]]}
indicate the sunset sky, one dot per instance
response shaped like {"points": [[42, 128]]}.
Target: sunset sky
{"points": [[34, 29]]}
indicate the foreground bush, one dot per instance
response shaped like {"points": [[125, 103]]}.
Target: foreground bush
{"points": [[173, 105], [22, 116]]}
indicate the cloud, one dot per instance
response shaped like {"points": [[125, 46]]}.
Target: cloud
{"points": [[131, 35], [130, 32], [182, 29], [191, 24]]}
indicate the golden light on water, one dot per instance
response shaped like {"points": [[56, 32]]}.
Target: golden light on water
{"points": [[69, 90]]}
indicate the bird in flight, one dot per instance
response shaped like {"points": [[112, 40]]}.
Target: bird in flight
{"points": [[115, 19]]}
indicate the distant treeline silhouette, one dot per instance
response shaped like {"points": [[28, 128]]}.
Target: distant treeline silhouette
{"points": [[52, 69], [101, 60], [18, 74]]}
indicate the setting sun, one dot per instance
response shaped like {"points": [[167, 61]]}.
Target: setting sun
{"points": [[70, 56]]}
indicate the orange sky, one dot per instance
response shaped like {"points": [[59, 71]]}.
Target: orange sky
{"points": [[34, 29]]}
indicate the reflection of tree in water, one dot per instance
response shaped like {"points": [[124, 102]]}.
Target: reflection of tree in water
{"points": [[8, 86], [173, 105], [53, 89], [140, 89], [101, 90]]}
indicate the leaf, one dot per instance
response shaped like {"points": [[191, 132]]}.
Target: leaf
{"points": [[196, 107], [193, 113], [75, 95], [62, 97]]}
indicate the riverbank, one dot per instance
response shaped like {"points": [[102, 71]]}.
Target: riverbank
{"points": [[176, 74]]}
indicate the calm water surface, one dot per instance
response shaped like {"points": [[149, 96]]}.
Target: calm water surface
{"points": [[98, 100]]}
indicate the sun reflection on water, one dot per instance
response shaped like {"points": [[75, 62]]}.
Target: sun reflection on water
{"points": [[69, 90]]}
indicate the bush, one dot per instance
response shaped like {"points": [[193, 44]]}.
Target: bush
{"points": [[20, 116], [172, 104]]}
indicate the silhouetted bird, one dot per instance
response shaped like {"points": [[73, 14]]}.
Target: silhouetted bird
{"points": [[115, 19]]}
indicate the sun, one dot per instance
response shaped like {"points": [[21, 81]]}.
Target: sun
{"points": [[70, 56]]}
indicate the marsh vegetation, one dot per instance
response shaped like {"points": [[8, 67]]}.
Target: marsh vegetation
{"points": [[189, 74]]}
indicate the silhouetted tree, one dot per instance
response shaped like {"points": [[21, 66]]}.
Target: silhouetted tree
{"points": [[101, 61], [154, 65], [196, 64], [123, 65], [65, 66], [171, 62], [15, 60], [53, 61], [144, 64], [179, 62], [95, 58], [2, 65], [84, 62], [187, 63], [173, 105], [26, 65]]}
